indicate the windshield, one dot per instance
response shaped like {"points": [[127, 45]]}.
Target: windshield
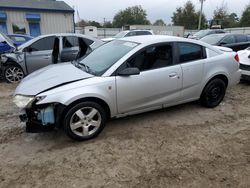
{"points": [[102, 58], [212, 39], [120, 35], [201, 33]]}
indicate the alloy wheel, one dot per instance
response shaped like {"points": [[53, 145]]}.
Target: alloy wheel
{"points": [[85, 121], [14, 74]]}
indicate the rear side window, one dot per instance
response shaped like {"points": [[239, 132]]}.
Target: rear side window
{"points": [[18, 39], [87, 41], [132, 33], [143, 33], [241, 38], [43, 44], [70, 42], [228, 40], [190, 52]]}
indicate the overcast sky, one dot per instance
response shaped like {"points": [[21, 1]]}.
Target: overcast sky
{"points": [[156, 9]]}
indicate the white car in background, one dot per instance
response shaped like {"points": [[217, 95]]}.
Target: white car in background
{"points": [[244, 56], [128, 33]]}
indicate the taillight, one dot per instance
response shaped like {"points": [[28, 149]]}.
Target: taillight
{"points": [[236, 57]]}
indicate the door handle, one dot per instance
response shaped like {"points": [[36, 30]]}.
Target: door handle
{"points": [[173, 75]]}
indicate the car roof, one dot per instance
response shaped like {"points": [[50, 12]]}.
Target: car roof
{"points": [[59, 35], [226, 34], [20, 35], [156, 38], [153, 39]]}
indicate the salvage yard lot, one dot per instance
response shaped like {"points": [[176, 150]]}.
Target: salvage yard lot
{"points": [[182, 146]]}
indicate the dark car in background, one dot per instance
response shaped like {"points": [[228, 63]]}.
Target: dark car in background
{"points": [[19, 39], [234, 41], [202, 33]]}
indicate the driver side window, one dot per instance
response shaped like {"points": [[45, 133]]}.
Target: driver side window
{"points": [[43, 44], [153, 57]]}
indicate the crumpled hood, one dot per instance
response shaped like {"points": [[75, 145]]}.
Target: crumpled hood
{"points": [[50, 77]]}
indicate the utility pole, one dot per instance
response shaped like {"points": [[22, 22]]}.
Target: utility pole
{"points": [[104, 21], [199, 26]]}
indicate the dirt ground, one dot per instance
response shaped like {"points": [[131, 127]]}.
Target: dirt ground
{"points": [[182, 146]]}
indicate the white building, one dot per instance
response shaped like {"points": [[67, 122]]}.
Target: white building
{"points": [[35, 17]]}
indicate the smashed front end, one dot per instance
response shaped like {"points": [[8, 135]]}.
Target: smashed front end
{"points": [[39, 118]]}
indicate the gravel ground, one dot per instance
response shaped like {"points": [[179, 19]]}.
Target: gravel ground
{"points": [[182, 146]]}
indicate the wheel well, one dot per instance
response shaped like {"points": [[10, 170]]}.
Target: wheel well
{"points": [[9, 62], [222, 77], [91, 99]]}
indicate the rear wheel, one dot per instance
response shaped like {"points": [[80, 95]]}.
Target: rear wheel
{"points": [[84, 121], [213, 93], [13, 74]]}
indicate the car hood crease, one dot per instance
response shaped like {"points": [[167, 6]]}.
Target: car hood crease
{"points": [[50, 77]]}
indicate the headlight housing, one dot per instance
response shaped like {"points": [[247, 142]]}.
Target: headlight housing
{"points": [[23, 101], [3, 58]]}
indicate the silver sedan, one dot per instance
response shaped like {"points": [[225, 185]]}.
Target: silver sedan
{"points": [[125, 77]]}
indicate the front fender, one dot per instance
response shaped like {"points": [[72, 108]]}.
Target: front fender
{"points": [[105, 91]]}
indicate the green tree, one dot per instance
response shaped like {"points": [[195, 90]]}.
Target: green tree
{"points": [[245, 19], [94, 23], [187, 16], [227, 20], [130, 16], [159, 22], [108, 24]]}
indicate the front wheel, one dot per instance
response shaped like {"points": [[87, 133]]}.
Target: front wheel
{"points": [[84, 121], [13, 74], [213, 93]]}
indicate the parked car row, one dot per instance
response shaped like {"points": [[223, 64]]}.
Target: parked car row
{"points": [[126, 76], [234, 41]]}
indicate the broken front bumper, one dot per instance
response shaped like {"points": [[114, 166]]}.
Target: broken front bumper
{"points": [[42, 118]]}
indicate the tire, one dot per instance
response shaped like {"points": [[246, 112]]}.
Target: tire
{"points": [[84, 121], [213, 93], [13, 74]]}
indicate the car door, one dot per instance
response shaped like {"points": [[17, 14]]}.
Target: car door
{"points": [[159, 82], [241, 42], [229, 41], [39, 54], [70, 48], [192, 58]]}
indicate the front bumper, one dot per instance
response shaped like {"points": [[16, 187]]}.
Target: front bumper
{"points": [[42, 118]]}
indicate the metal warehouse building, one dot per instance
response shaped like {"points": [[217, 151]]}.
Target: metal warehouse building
{"points": [[35, 17]]}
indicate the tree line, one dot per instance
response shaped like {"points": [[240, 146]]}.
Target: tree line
{"points": [[185, 16]]}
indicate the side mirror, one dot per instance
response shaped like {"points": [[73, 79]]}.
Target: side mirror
{"points": [[129, 71]]}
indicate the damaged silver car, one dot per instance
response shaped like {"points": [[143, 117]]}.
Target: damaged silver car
{"points": [[124, 77], [43, 51]]}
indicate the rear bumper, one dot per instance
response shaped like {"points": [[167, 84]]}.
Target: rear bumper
{"points": [[235, 78], [245, 75]]}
